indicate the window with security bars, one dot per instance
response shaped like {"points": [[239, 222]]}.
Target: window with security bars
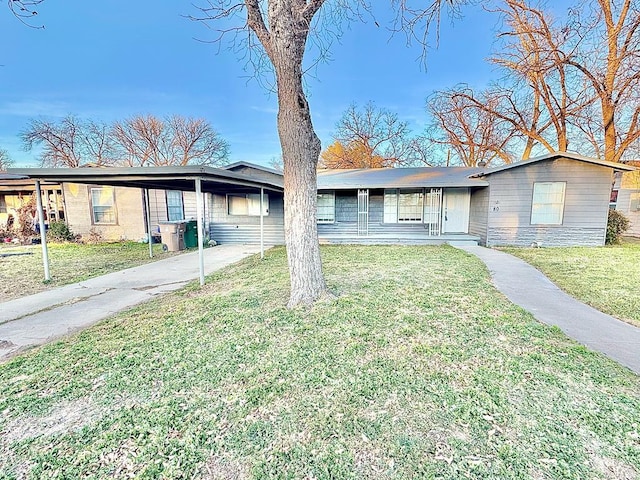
{"points": [[547, 207], [410, 206], [103, 208], [326, 208], [175, 206]]}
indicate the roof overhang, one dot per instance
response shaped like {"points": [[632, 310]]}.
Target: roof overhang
{"points": [[556, 156], [416, 177], [183, 178]]}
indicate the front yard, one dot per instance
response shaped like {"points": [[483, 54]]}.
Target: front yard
{"points": [[22, 275], [418, 369], [606, 278]]}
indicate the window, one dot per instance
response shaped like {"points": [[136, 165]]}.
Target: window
{"points": [[403, 206], [326, 209], [410, 206], [103, 205], [548, 203], [247, 204], [3, 204], [175, 209]]}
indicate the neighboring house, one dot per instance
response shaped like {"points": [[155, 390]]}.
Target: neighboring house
{"points": [[16, 192], [119, 213], [626, 197]]}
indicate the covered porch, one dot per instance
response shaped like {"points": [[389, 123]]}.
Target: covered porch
{"points": [[414, 216]]}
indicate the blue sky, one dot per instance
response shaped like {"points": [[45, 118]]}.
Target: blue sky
{"points": [[127, 58]]}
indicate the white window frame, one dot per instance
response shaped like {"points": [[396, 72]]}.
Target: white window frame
{"points": [[172, 207], [108, 208], [547, 203], [251, 207], [326, 212], [411, 212]]}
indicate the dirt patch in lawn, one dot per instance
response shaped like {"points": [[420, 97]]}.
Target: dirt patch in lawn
{"points": [[65, 417]]}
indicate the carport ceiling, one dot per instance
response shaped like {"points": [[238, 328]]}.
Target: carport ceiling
{"points": [[214, 180]]}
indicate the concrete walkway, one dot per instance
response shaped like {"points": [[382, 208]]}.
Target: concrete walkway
{"points": [[527, 287], [40, 318]]}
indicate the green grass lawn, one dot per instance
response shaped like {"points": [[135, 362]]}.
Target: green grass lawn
{"points": [[69, 262], [607, 278], [417, 369]]}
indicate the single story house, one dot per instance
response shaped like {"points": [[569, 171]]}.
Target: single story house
{"points": [[559, 199]]}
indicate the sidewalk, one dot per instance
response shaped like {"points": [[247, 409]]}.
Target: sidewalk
{"points": [[527, 287], [40, 318]]}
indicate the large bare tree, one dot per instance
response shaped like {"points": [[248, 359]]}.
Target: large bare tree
{"points": [[5, 159], [281, 29], [609, 59], [369, 137], [70, 142], [469, 127], [542, 97], [146, 140], [572, 84]]}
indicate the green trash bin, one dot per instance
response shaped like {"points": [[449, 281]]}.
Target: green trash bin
{"points": [[191, 234]]}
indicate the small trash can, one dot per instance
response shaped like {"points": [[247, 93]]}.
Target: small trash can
{"points": [[191, 234], [172, 235]]}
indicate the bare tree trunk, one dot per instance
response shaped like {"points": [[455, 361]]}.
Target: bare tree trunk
{"points": [[300, 152]]}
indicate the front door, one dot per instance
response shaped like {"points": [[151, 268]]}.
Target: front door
{"points": [[456, 210]]}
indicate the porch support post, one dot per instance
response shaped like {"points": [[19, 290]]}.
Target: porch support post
{"points": [[200, 214], [261, 223], [148, 210], [43, 232]]}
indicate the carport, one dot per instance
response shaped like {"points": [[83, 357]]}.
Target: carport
{"points": [[198, 179]]}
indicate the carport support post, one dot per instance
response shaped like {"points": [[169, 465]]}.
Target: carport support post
{"points": [[146, 204], [261, 223], [200, 213], [43, 232]]}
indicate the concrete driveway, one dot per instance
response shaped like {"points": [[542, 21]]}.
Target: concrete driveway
{"points": [[40, 318]]}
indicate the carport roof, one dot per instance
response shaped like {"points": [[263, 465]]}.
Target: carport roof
{"points": [[165, 178]]}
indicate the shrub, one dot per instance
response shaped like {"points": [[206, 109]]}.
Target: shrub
{"points": [[95, 236], [24, 225], [617, 224], [59, 232]]}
